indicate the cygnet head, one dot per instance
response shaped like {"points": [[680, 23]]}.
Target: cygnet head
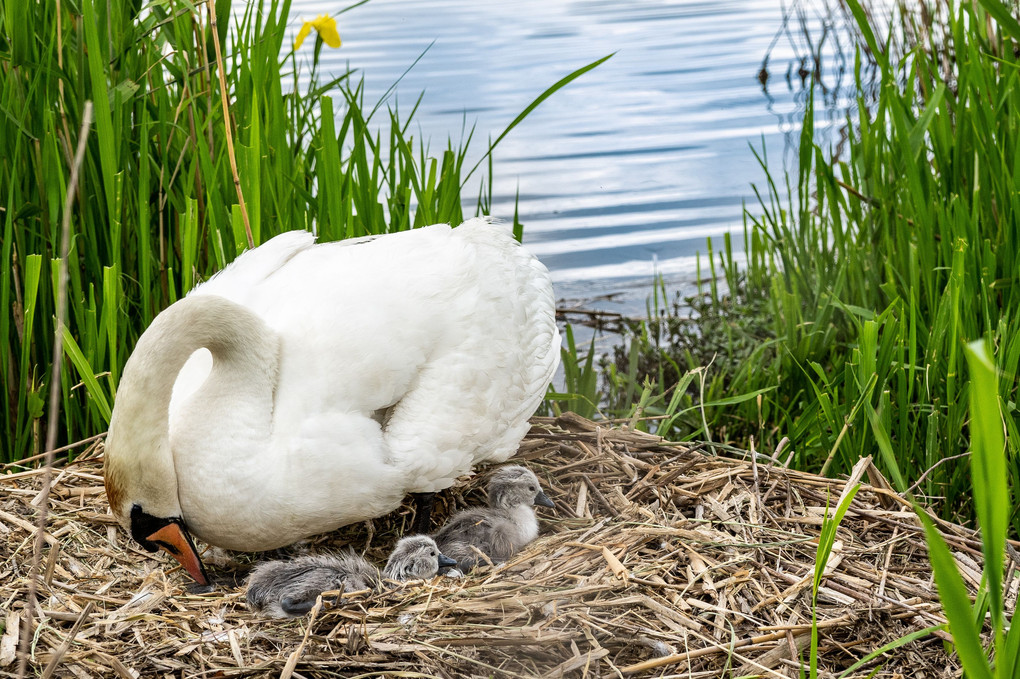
{"points": [[514, 486], [415, 557]]}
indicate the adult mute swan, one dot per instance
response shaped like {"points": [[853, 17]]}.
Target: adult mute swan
{"points": [[309, 386]]}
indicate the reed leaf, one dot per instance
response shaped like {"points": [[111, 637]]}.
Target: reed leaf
{"points": [[159, 211]]}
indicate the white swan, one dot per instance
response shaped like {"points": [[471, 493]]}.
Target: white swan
{"points": [[309, 386]]}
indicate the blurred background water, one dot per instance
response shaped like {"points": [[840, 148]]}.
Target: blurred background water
{"points": [[624, 173]]}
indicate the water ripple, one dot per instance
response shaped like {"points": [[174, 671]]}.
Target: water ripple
{"points": [[629, 169]]}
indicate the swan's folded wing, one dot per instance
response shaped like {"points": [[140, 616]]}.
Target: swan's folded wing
{"points": [[253, 267], [540, 342]]}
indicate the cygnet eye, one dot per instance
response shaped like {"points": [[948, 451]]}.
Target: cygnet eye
{"points": [[532, 489], [432, 553]]}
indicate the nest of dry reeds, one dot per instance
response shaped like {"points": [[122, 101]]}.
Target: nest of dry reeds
{"points": [[661, 560]]}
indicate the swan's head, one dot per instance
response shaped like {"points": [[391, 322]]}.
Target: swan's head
{"points": [[141, 486], [141, 478], [513, 486], [416, 557]]}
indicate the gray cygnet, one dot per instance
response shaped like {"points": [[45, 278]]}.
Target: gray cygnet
{"points": [[414, 558], [500, 530], [289, 588]]}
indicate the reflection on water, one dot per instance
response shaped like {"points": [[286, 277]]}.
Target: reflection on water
{"points": [[629, 169]]}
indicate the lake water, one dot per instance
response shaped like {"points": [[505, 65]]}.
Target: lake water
{"points": [[625, 172]]}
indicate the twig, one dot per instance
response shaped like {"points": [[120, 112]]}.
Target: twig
{"points": [[51, 424], [61, 449], [58, 654], [709, 650], [701, 405], [932, 468], [211, 7], [779, 450], [871, 201], [292, 661]]}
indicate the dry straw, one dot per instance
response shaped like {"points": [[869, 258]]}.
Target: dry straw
{"points": [[661, 560]]}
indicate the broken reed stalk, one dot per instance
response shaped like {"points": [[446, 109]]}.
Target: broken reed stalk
{"points": [[221, 72], [58, 350], [24, 462], [58, 654]]}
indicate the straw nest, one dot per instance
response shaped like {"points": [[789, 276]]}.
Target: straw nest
{"points": [[660, 560]]}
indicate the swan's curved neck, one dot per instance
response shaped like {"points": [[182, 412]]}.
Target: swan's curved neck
{"points": [[139, 460]]}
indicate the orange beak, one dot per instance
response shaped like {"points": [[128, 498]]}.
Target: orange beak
{"points": [[172, 539]]}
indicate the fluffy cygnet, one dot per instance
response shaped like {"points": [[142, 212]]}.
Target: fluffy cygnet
{"points": [[414, 558], [289, 588], [500, 530]]}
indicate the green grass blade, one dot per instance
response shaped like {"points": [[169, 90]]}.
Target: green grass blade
{"points": [[920, 129], [955, 603], [551, 90], [891, 646], [111, 318], [826, 539], [988, 465], [886, 449], [869, 35], [87, 374], [101, 101], [827, 536], [1001, 12]]}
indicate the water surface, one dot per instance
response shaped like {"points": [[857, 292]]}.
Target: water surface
{"points": [[627, 171]]}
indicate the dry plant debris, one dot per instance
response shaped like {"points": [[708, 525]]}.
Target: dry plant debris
{"points": [[661, 560]]}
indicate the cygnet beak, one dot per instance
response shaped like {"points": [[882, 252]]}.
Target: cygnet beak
{"points": [[543, 500], [173, 540], [445, 561]]}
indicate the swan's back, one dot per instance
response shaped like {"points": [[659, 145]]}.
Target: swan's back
{"points": [[252, 268], [473, 397], [447, 336]]}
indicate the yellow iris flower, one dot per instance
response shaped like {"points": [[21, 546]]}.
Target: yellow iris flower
{"points": [[325, 26]]}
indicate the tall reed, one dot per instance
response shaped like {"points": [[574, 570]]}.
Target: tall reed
{"points": [[857, 294], [158, 211]]}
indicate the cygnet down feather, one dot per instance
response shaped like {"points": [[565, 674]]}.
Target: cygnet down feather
{"points": [[289, 588], [415, 557], [500, 530]]}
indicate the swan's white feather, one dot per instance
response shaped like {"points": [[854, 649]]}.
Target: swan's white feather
{"points": [[404, 361]]}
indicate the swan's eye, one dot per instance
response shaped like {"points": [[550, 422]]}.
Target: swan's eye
{"points": [[532, 489], [432, 553]]}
